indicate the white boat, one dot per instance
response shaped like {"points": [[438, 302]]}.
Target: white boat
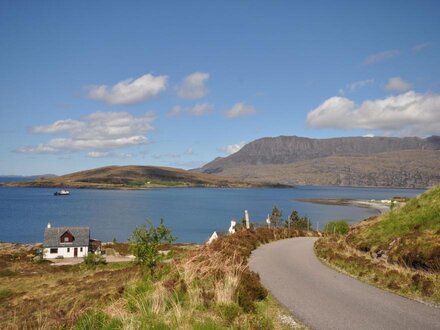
{"points": [[61, 193]]}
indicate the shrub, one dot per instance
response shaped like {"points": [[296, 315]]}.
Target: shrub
{"points": [[340, 227], [250, 290], [91, 260], [300, 223], [145, 242]]}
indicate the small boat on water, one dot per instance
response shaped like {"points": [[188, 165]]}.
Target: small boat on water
{"points": [[61, 193]]}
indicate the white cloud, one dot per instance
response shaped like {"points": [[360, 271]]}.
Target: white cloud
{"points": [[98, 154], [232, 148], [193, 86], [197, 110], [239, 110], [129, 91], [98, 132], [397, 84], [408, 113], [356, 85], [59, 126], [420, 47], [378, 57]]}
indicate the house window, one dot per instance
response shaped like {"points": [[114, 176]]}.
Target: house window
{"points": [[53, 251], [66, 239], [81, 249], [68, 250]]}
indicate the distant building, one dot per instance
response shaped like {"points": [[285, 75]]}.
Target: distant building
{"points": [[68, 242]]}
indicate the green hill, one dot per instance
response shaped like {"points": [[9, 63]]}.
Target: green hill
{"points": [[137, 177], [408, 235], [398, 251]]}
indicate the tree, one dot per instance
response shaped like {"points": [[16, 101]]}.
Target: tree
{"points": [[275, 216], [294, 221], [145, 241]]}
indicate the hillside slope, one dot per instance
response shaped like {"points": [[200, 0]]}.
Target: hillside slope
{"points": [[408, 236], [135, 177], [398, 251], [356, 161]]}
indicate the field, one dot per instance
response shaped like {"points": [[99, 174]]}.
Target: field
{"points": [[200, 287]]}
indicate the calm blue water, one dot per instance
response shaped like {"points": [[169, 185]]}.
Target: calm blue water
{"points": [[192, 213]]}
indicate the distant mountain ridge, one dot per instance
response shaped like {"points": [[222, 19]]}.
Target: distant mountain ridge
{"points": [[353, 161], [136, 177]]}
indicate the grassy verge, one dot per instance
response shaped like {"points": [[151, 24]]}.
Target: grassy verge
{"points": [[398, 251]]}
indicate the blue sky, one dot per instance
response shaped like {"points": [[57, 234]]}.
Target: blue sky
{"points": [[87, 84]]}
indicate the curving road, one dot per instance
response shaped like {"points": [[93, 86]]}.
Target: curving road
{"points": [[325, 299]]}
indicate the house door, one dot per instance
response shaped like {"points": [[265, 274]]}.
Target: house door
{"points": [[75, 252]]}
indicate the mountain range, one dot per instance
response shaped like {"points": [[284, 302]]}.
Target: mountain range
{"points": [[345, 161]]}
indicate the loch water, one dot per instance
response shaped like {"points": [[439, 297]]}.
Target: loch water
{"points": [[192, 213]]}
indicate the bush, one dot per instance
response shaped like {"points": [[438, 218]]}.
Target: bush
{"points": [[340, 227], [250, 290], [92, 260], [294, 221]]}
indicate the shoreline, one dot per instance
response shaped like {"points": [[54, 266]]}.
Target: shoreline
{"points": [[380, 207], [127, 187]]}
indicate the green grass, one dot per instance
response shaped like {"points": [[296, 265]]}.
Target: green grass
{"points": [[97, 320], [408, 235], [418, 215], [340, 227]]}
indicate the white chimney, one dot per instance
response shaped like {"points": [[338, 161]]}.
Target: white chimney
{"points": [[49, 225]]}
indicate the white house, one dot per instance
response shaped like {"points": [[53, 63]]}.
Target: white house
{"points": [[66, 242]]}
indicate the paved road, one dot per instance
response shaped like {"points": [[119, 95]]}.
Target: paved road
{"points": [[325, 299]]}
